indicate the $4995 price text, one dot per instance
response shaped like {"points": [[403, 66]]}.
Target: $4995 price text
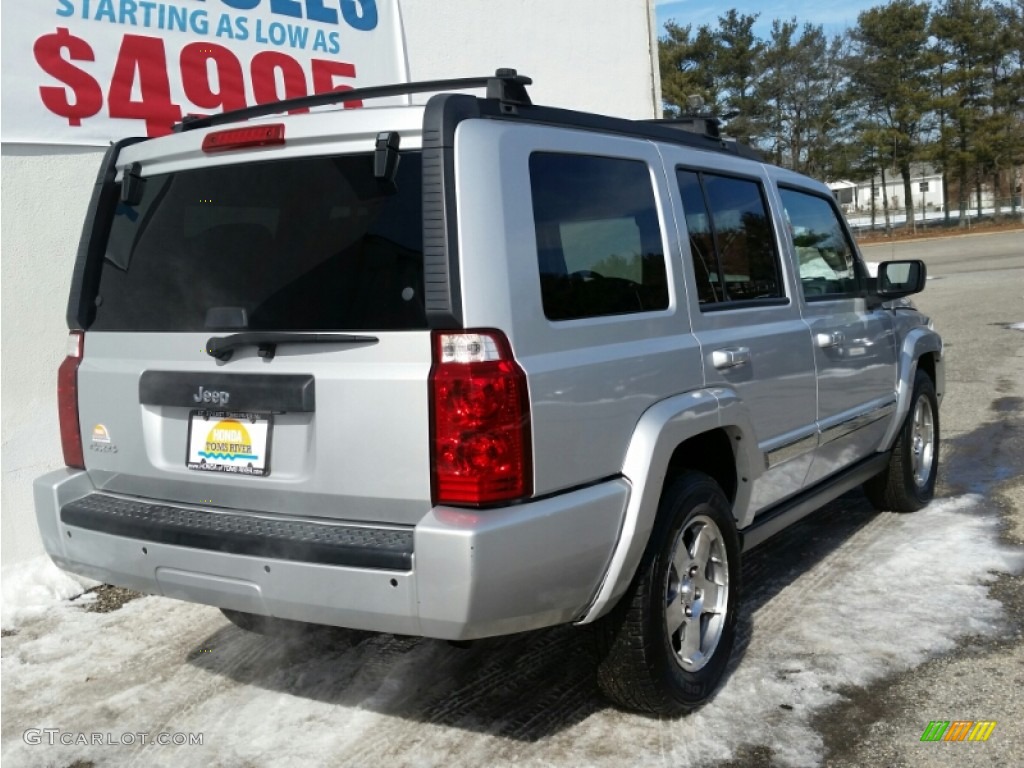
{"points": [[140, 88]]}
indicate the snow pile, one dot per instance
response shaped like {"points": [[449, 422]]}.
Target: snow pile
{"points": [[33, 587], [893, 591]]}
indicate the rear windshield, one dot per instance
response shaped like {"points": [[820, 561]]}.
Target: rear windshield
{"points": [[303, 244]]}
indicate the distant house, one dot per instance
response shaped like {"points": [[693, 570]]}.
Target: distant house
{"points": [[845, 193], [926, 192]]}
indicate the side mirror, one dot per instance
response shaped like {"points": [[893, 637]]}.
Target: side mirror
{"points": [[897, 279]]}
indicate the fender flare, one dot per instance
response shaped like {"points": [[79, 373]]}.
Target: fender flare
{"points": [[920, 341], [660, 430]]}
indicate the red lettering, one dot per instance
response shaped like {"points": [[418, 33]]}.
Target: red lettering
{"points": [[324, 72], [147, 57], [212, 78], [265, 67], [195, 77], [88, 97]]}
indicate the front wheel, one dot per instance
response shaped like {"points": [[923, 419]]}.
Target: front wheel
{"points": [[665, 646], [908, 481]]}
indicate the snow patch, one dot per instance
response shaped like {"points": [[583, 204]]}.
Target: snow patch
{"points": [[33, 587], [907, 595]]}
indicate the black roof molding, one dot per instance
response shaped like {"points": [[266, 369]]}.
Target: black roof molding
{"points": [[683, 132], [708, 124], [505, 85], [442, 295]]}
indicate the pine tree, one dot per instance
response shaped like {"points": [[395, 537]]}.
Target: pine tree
{"points": [[687, 63], [892, 70], [738, 65]]}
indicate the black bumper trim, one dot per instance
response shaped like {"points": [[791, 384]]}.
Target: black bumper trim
{"points": [[243, 533]]}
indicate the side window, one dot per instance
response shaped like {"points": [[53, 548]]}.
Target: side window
{"points": [[825, 255], [599, 245], [731, 238], [702, 240]]}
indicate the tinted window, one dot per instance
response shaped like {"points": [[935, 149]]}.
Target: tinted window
{"points": [[302, 244], [731, 238], [825, 255], [598, 238], [702, 239]]}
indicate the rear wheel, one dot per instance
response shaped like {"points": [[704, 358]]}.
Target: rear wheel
{"points": [[665, 646], [908, 481]]}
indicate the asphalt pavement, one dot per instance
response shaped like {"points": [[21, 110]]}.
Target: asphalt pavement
{"points": [[975, 296]]}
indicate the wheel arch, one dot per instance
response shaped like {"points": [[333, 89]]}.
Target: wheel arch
{"points": [[711, 453], [922, 348], [706, 430]]}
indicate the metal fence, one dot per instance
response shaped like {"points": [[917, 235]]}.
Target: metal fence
{"points": [[932, 217]]}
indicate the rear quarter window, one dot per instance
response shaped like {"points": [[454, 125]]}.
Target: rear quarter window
{"points": [[599, 243]]}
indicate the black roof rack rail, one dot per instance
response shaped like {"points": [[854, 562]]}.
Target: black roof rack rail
{"points": [[708, 125], [505, 85]]}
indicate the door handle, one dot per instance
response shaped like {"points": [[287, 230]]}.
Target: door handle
{"points": [[733, 357], [829, 340]]}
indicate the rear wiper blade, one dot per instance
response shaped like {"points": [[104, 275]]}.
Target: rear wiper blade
{"points": [[223, 347]]}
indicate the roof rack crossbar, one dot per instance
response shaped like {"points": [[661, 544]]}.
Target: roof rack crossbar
{"points": [[506, 85]]}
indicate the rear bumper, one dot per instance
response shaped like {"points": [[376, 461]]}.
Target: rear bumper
{"points": [[457, 574]]}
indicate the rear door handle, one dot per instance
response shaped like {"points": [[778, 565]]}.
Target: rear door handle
{"points": [[732, 357], [829, 340]]}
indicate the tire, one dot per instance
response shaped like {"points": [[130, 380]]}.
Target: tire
{"points": [[908, 482], [653, 658]]}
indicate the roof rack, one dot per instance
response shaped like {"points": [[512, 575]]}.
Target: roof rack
{"points": [[505, 85], [708, 125]]}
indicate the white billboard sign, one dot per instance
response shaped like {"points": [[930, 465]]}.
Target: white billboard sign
{"points": [[92, 71]]}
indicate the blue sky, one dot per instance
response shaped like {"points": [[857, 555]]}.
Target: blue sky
{"points": [[834, 16]]}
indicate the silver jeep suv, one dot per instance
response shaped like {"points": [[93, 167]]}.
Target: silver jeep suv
{"points": [[473, 368]]}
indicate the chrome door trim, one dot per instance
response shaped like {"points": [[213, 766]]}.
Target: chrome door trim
{"points": [[790, 450], [848, 426], [806, 443]]}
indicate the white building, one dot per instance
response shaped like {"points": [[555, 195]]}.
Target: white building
{"points": [[855, 198], [595, 55]]}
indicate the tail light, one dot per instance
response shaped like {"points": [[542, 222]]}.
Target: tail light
{"points": [[480, 420], [67, 402]]}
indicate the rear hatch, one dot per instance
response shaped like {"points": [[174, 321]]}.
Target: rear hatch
{"points": [[304, 272]]}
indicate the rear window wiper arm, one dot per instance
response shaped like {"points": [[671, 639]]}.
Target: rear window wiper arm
{"points": [[223, 347]]}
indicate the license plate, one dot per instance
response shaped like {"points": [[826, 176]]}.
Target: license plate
{"points": [[222, 441]]}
